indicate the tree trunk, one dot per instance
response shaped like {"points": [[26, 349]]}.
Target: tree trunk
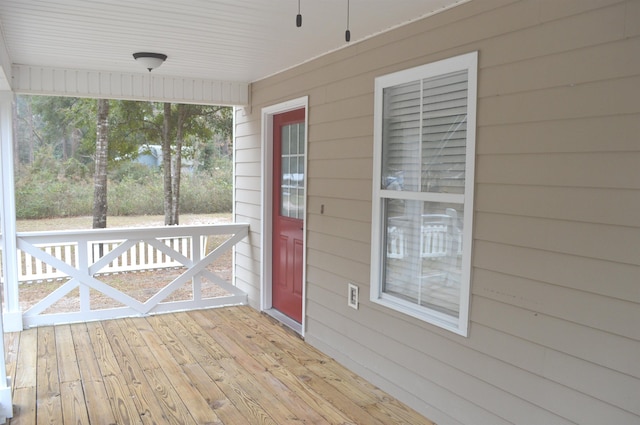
{"points": [[177, 163], [64, 142], [100, 176], [76, 137], [166, 165], [31, 139]]}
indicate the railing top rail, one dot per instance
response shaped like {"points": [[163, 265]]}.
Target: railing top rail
{"points": [[132, 232]]}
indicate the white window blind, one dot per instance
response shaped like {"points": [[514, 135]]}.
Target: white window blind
{"points": [[424, 130]]}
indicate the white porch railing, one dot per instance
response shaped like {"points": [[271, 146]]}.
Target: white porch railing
{"points": [[84, 256], [140, 257]]}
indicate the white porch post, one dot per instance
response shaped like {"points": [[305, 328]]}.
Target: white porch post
{"points": [[9, 257], [6, 403], [12, 314]]}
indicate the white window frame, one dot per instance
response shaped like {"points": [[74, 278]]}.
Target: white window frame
{"points": [[459, 325]]}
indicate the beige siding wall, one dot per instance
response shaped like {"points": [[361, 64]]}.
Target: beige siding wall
{"points": [[554, 335]]}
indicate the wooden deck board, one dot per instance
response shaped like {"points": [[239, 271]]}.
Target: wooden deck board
{"points": [[96, 398], [24, 406], [11, 344], [283, 405], [217, 400], [66, 352], [142, 394], [303, 399], [49, 406], [289, 358], [120, 399], [74, 404], [27, 359], [222, 366]]}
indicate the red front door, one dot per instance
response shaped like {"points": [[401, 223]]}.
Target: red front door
{"points": [[289, 141]]}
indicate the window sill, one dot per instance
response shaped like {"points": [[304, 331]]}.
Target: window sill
{"points": [[436, 318]]}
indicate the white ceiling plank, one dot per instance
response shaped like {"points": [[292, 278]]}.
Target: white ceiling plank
{"points": [[116, 85], [235, 41], [5, 66]]}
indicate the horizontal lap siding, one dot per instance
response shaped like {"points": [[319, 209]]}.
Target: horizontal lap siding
{"points": [[581, 135], [570, 271], [591, 205], [604, 242], [555, 291], [556, 238], [247, 203]]}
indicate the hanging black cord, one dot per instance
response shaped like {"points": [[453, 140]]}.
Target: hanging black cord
{"points": [[299, 17], [347, 33]]}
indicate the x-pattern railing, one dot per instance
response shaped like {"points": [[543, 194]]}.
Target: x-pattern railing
{"points": [[85, 273]]}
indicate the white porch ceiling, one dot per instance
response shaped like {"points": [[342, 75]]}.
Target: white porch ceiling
{"points": [[221, 40]]}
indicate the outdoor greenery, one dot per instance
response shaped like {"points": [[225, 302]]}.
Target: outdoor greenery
{"points": [[55, 158], [42, 194]]}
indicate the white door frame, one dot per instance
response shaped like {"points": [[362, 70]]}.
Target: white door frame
{"points": [[266, 232]]}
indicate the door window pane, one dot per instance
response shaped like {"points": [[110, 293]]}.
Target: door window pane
{"points": [[292, 178]]}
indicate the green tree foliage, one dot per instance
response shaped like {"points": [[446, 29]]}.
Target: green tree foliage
{"points": [[66, 126], [57, 147], [49, 121], [184, 131]]}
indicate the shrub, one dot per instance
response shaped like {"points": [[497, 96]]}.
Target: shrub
{"points": [[128, 170], [202, 194], [131, 197], [58, 198], [131, 191]]}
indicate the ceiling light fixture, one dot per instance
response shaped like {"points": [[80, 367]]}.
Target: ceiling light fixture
{"points": [[150, 60]]}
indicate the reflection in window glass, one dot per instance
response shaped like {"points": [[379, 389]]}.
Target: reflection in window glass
{"points": [[423, 259]]}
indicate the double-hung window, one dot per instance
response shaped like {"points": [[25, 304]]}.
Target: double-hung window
{"points": [[424, 153]]}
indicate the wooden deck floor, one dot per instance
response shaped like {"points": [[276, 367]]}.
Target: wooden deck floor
{"points": [[219, 366]]}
